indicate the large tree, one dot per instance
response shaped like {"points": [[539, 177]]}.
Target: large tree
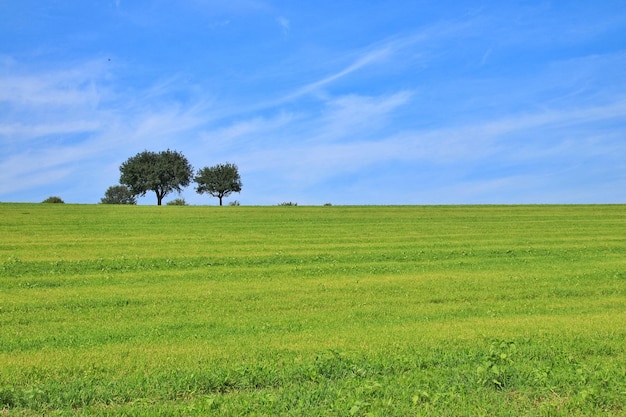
{"points": [[118, 194], [219, 181], [161, 172]]}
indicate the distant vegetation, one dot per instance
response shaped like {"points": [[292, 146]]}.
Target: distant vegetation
{"points": [[118, 194], [218, 181], [161, 172], [54, 199], [168, 171], [177, 202]]}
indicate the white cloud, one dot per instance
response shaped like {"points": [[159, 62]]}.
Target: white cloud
{"points": [[368, 58], [351, 117], [74, 87], [250, 132], [284, 24], [19, 131]]}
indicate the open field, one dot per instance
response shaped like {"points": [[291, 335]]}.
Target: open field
{"points": [[339, 311]]}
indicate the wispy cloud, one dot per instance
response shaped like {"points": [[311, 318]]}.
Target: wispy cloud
{"points": [[284, 24], [70, 88], [369, 58], [250, 133], [357, 118], [19, 132]]}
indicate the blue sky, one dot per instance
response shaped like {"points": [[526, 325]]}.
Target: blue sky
{"points": [[342, 102]]}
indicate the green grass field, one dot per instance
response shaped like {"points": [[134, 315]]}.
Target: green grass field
{"points": [[312, 311]]}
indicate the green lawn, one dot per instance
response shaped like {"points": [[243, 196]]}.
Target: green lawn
{"points": [[340, 311]]}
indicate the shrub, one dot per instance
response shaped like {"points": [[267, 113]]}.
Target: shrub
{"points": [[54, 199], [288, 203], [118, 194], [177, 202], [234, 203]]}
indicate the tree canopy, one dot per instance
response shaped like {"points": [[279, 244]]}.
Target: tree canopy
{"points": [[118, 194], [219, 180], [161, 172]]}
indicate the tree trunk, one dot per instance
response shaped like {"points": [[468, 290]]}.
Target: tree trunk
{"points": [[220, 200]]}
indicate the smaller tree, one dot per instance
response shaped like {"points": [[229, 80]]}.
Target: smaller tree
{"points": [[219, 181], [118, 194]]}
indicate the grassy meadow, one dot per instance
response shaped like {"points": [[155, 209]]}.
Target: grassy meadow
{"points": [[312, 311]]}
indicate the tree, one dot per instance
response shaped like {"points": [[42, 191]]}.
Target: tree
{"points": [[118, 194], [219, 181], [161, 172]]}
